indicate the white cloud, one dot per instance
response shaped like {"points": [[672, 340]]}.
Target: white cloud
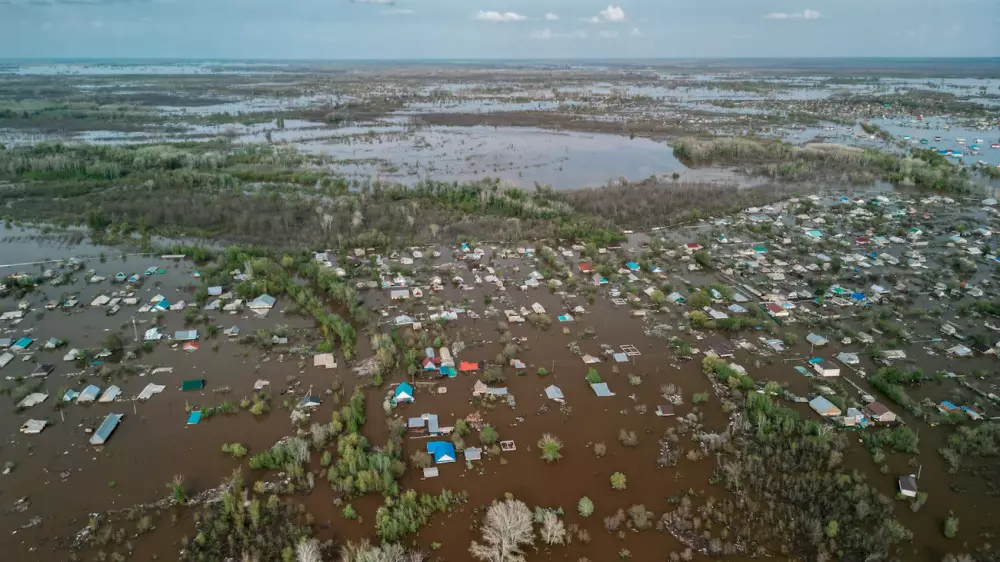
{"points": [[551, 17], [608, 34], [398, 12], [499, 16], [610, 14], [547, 33], [803, 15], [635, 32]]}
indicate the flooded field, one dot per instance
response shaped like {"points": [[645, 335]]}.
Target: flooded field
{"points": [[649, 354], [723, 347]]}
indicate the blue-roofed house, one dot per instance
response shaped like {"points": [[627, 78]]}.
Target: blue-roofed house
{"points": [[442, 451], [104, 430], [22, 344], [89, 394], [186, 335], [824, 407], [403, 394], [632, 266]]}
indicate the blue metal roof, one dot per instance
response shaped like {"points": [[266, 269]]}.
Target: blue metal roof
{"points": [[442, 451], [104, 431]]}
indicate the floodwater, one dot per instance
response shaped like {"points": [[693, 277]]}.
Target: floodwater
{"points": [[520, 155], [153, 443]]}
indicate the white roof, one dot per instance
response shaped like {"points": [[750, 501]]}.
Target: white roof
{"points": [[150, 390], [32, 427]]}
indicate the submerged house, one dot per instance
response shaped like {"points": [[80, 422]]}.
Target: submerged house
{"points": [[824, 368], [105, 429]]}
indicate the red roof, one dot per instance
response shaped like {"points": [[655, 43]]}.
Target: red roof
{"points": [[861, 240], [465, 366], [693, 246], [773, 308], [428, 361], [586, 267]]}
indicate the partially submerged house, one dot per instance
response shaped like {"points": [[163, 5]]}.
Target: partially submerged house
{"points": [[908, 486], [105, 429], [262, 303], [185, 335], [403, 393], [878, 412], [553, 392], [442, 451], [824, 407], [824, 368]]}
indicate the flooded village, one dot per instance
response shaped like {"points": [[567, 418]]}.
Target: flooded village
{"points": [[584, 314]]}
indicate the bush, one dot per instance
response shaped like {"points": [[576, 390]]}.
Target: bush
{"points": [[593, 377], [619, 481], [542, 371], [634, 380], [699, 398], [488, 435], [950, 525], [551, 447], [349, 512], [600, 449], [628, 438], [421, 459], [585, 507], [236, 450]]}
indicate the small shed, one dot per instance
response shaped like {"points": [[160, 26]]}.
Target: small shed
{"points": [[186, 335], [89, 394], [908, 486], [601, 389], [33, 427], [473, 454]]}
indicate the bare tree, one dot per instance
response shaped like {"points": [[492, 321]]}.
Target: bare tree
{"points": [[507, 528], [553, 531], [308, 551]]}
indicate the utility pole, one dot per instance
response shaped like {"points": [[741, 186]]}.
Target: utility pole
{"points": [[135, 330]]}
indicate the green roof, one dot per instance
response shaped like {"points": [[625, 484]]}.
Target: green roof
{"points": [[193, 384]]}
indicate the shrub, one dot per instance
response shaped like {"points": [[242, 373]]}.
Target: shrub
{"points": [[585, 507], [461, 428], [421, 459], [628, 438], [619, 481], [551, 447], [699, 398], [349, 512], [507, 529], [634, 380], [950, 525], [542, 371], [488, 435], [236, 450], [600, 449], [593, 377]]}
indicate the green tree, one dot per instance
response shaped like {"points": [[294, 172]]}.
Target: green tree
{"points": [[551, 447], [488, 435], [619, 481], [585, 507]]}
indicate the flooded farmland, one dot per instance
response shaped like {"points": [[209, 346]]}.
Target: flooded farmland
{"points": [[655, 331]]}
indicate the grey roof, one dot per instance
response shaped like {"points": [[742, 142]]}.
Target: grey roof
{"points": [[414, 423], [823, 406], [908, 483], [473, 454], [263, 301], [601, 389], [554, 392]]}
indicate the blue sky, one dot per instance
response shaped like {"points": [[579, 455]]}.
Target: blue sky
{"points": [[407, 29]]}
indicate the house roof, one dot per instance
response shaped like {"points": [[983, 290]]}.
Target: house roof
{"points": [[601, 389], [104, 430], [465, 366], [193, 384], [442, 451], [824, 407], [878, 409], [186, 335], [404, 390], [554, 392]]}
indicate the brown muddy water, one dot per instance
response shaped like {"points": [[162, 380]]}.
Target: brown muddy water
{"points": [[65, 478]]}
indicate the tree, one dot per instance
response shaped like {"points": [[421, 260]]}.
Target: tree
{"points": [[488, 435], [619, 481], [553, 531], [550, 446], [585, 507], [506, 530], [308, 551], [832, 527]]}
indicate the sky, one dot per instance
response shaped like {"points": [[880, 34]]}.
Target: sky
{"points": [[496, 29]]}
